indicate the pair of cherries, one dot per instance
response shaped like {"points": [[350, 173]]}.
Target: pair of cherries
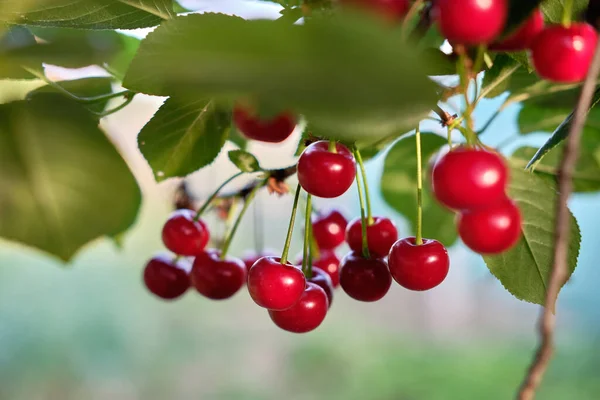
{"points": [[473, 182]]}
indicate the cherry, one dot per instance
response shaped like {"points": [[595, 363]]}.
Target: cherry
{"points": [[183, 235], [326, 174], [274, 130], [306, 315], [470, 22], [274, 285], [251, 257], [523, 37], [564, 54], [215, 278], [418, 267], [393, 10], [328, 230], [381, 235], [328, 262], [364, 279], [166, 277], [322, 279], [491, 230], [467, 178]]}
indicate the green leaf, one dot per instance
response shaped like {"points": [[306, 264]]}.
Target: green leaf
{"points": [[554, 9], [119, 64], [534, 118], [371, 86], [16, 38], [507, 76], [86, 87], [62, 183], [524, 270], [184, 136], [245, 161], [399, 187]]}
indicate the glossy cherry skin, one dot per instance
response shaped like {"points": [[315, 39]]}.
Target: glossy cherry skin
{"points": [[421, 267], [322, 279], [329, 230], [251, 257], [564, 54], [364, 279], [393, 10], [274, 285], [523, 37], [215, 278], [306, 315], [329, 263], [184, 236], [381, 235], [491, 230], [468, 178], [470, 22], [166, 278], [326, 174], [274, 130]]}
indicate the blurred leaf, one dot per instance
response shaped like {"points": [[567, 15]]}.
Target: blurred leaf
{"points": [[439, 63], [399, 187], [245, 161], [119, 64], [371, 86], [86, 87], [237, 138], [507, 76], [184, 136], [533, 118], [62, 183], [554, 9], [524, 270], [16, 38]]}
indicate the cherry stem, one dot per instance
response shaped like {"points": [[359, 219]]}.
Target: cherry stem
{"points": [[363, 219], [419, 236], [128, 100], [567, 12], [306, 259], [332, 146], [416, 6], [214, 195], [236, 225], [464, 82], [288, 239], [259, 232], [363, 172]]}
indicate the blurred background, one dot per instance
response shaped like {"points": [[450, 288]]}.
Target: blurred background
{"points": [[90, 330]]}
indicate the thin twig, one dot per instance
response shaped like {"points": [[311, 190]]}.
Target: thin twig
{"points": [[445, 116], [559, 272]]}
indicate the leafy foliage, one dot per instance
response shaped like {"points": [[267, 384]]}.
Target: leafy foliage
{"points": [[83, 88], [245, 161]]}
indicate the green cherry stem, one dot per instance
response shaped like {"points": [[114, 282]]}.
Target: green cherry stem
{"points": [[332, 146], [236, 225], [215, 194], [363, 218], [288, 239], [306, 259], [419, 236], [128, 100], [567, 12], [365, 182]]}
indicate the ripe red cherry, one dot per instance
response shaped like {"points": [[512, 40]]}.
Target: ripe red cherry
{"points": [[470, 22], [329, 263], [393, 10], [274, 285], [274, 130], [564, 54], [184, 236], [251, 257], [215, 278], [421, 267], [326, 174], [329, 230], [491, 230], [322, 279], [364, 279], [523, 37], [306, 315], [468, 178], [167, 278], [381, 235]]}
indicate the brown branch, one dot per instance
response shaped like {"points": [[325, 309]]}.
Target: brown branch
{"points": [[559, 272]]}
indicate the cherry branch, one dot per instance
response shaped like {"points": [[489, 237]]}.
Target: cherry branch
{"points": [[559, 272]]}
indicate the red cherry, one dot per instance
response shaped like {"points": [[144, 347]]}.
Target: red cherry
{"points": [[421, 267], [491, 230], [251, 257], [564, 54], [523, 37], [306, 315], [329, 263], [328, 230], [184, 236], [393, 10], [364, 279], [322, 279], [274, 285], [215, 278], [381, 235], [326, 174], [274, 130], [470, 22], [167, 278], [468, 178]]}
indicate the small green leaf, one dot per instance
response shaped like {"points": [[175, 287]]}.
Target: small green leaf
{"points": [[62, 183], [184, 136], [245, 161], [399, 187], [86, 87], [524, 270]]}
